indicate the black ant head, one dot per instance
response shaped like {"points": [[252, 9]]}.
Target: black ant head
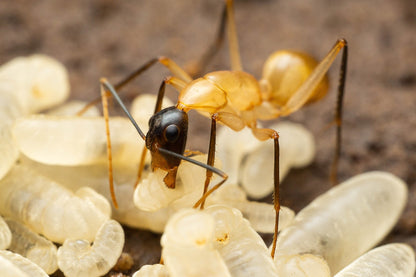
{"points": [[168, 129]]}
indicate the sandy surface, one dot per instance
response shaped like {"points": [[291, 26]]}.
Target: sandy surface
{"points": [[111, 38]]}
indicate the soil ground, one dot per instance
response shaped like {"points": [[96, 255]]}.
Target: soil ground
{"points": [[97, 38]]}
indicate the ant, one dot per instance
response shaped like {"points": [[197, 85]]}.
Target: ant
{"points": [[234, 98]]}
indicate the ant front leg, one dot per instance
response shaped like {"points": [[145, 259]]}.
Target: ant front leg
{"points": [[226, 19], [175, 69], [105, 87], [210, 162]]}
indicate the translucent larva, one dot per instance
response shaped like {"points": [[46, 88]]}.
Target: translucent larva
{"points": [[250, 162], [223, 235], [40, 82], [18, 266], [302, 265], [57, 140], [7, 268], [297, 149], [33, 246], [5, 235], [260, 215], [156, 270], [77, 258], [9, 111], [188, 246], [71, 108], [345, 222], [96, 177], [241, 247], [391, 260], [50, 209]]}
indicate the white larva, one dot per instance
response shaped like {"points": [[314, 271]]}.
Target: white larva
{"points": [[33, 246], [77, 258], [260, 215], [12, 264], [242, 249], [391, 260], [346, 221], [96, 177], [65, 140], [40, 82], [155, 270], [5, 234], [50, 209], [302, 265], [188, 246], [72, 108], [9, 111], [250, 162]]}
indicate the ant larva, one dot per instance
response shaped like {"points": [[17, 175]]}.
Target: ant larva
{"points": [[234, 98]]}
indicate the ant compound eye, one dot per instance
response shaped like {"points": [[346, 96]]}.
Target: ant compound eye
{"points": [[171, 133]]}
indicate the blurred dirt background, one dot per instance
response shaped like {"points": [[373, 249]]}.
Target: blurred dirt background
{"points": [[111, 38]]}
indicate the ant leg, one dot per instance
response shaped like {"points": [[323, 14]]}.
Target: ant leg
{"points": [[196, 69], [338, 116], [109, 152], [232, 38], [263, 134], [175, 69], [301, 96], [105, 88], [227, 15], [211, 157]]}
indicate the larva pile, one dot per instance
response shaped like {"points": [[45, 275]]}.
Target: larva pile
{"points": [[55, 198]]}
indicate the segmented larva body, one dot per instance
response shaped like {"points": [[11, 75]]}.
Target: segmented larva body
{"points": [[9, 111], [77, 258], [302, 265], [250, 162], [188, 246], [27, 85], [96, 177], [391, 260], [241, 247], [50, 209], [33, 246], [12, 264], [260, 215], [346, 221], [155, 270], [5, 234], [214, 242], [72, 107], [57, 140], [40, 82]]}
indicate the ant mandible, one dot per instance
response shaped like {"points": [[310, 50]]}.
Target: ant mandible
{"points": [[234, 98]]}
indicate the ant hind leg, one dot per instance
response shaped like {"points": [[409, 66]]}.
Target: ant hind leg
{"points": [[264, 134]]}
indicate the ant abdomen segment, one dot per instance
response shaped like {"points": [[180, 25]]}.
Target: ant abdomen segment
{"points": [[285, 71]]}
